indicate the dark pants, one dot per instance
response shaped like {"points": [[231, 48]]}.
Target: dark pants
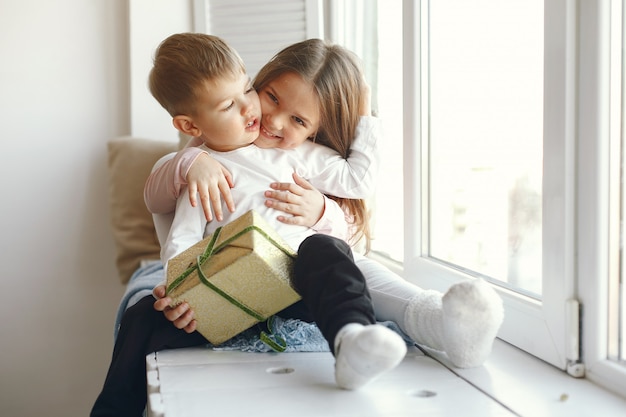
{"points": [[331, 285], [333, 293]]}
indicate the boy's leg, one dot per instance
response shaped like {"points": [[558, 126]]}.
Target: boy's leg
{"points": [[334, 290], [143, 330]]}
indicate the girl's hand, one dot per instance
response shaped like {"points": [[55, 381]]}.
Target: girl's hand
{"points": [[209, 178], [301, 200], [181, 315]]}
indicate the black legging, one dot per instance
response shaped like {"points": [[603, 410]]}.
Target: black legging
{"points": [[333, 293]]}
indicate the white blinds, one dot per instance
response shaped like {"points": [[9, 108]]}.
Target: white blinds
{"points": [[257, 30]]}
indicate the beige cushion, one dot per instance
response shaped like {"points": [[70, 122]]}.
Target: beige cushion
{"points": [[130, 162]]}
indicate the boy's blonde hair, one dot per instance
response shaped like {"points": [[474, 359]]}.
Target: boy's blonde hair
{"points": [[183, 62], [337, 77]]}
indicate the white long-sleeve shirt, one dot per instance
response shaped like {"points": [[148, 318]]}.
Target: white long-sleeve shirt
{"points": [[254, 168], [351, 178]]}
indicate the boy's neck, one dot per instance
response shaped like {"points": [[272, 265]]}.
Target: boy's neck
{"points": [[198, 141]]}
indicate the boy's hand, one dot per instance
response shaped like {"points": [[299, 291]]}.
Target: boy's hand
{"points": [[301, 200], [181, 316], [209, 178]]}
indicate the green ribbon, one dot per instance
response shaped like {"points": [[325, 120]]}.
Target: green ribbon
{"points": [[279, 345], [211, 250]]}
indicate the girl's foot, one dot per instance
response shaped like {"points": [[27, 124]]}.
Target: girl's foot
{"points": [[472, 315], [463, 323]]}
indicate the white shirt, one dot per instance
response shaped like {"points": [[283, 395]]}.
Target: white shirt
{"points": [[254, 168]]}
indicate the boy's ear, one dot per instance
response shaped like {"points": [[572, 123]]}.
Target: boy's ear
{"points": [[186, 125]]}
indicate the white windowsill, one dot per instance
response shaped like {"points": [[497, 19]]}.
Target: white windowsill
{"points": [[530, 387]]}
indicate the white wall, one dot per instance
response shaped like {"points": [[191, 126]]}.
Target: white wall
{"points": [[151, 21], [63, 94]]}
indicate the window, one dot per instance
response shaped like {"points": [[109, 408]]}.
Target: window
{"points": [[389, 203], [470, 107], [472, 117], [489, 171], [601, 200], [485, 134], [564, 180], [371, 30]]}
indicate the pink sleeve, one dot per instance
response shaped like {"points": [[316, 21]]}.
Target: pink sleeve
{"points": [[167, 178], [333, 221]]}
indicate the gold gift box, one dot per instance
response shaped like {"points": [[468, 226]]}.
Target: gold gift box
{"points": [[244, 277]]}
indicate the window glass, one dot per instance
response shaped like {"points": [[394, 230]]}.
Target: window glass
{"points": [[388, 232], [373, 30], [484, 159]]}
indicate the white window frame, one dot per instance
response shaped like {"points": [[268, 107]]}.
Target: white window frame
{"points": [[594, 162], [547, 328]]}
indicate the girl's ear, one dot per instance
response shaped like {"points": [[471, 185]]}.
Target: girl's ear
{"points": [[186, 125]]}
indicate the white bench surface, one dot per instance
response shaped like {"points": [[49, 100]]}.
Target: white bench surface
{"points": [[201, 382]]}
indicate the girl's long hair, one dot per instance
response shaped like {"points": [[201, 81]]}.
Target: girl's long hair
{"points": [[336, 74]]}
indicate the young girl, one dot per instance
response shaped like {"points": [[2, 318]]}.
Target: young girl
{"points": [[325, 81]]}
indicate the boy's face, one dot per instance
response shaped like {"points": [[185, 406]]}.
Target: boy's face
{"points": [[228, 113], [291, 112]]}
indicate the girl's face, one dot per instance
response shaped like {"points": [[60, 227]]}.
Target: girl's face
{"points": [[291, 112]]}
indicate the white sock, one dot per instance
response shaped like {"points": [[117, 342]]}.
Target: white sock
{"points": [[423, 319], [362, 353], [463, 323]]}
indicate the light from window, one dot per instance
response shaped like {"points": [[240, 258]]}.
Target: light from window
{"points": [[485, 86], [388, 205]]}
